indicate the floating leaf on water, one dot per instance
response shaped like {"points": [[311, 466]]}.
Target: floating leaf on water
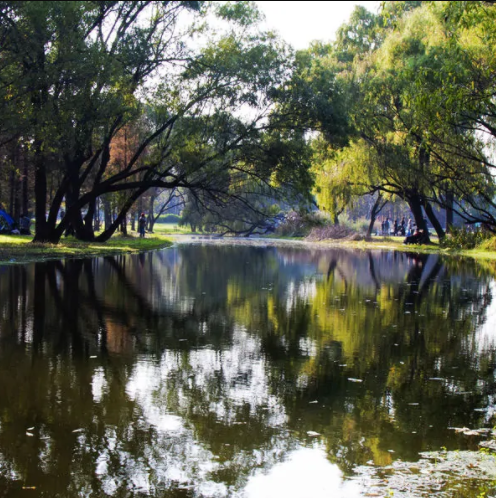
{"points": [[313, 402], [30, 429], [313, 434], [436, 378], [351, 379], [413, 404], [29, 434], [78, 430], [29, 487], [93, 357]]}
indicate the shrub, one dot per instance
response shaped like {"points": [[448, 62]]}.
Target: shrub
{"points": [[463, 238], [298, 224], [489, 244], [169, 218], [335, 232]]}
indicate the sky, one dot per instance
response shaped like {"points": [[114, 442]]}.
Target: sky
{"points": [[300, 23]]}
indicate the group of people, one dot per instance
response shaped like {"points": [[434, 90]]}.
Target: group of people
{"points": [[10, 226], [412, 233], [402, 228]]}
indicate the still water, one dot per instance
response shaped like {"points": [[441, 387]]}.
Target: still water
{"points": [[214, 370]]}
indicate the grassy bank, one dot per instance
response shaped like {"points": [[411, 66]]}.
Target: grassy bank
{"points": [[486, 251], [21, 249]]}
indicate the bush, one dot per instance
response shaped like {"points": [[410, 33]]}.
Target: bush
{"points": [[298, 224], [169, 218], [463, 238], [335, 232], [489, 244]]}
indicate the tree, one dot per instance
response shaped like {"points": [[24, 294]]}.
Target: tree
{"points": [[90, 70]]}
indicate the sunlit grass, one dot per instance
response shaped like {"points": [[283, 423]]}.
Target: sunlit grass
{"points": [[171, 229], [20, 248]]}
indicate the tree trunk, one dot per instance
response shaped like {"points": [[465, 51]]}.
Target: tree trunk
{"points": [[415, 203], [433, 219], [40, 193], [104, 236], [449, 210], [376, 209], [107, 214], [25, 185], [151, 218]]}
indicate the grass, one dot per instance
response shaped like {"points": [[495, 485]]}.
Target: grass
{"points": [[486, 251], [170, 229], [21, 249]]}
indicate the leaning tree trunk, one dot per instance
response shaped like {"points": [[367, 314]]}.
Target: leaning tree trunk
{"points": [[121, 217], [433, 219]]}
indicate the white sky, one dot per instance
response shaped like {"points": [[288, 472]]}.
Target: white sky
{"points": [[300, 23]]}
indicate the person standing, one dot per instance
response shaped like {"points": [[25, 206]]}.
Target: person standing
{"points": [[142, 225], [25, 224]]}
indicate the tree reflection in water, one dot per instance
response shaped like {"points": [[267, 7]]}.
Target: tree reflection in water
{"points": [[197, 370]]}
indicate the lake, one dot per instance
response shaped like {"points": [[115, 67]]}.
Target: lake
{"points": [[250, 371]]}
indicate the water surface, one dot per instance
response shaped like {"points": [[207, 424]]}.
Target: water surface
{"points": [[211, 370]]}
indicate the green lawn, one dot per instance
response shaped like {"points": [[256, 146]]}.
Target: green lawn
{"points": [[19, 248], [396, 243], [170, 229]]}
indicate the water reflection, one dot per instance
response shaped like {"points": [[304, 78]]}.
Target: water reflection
{"points": [[217, 370]]}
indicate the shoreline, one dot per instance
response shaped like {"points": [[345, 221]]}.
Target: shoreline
{"points": [[21, 250], [378, 245]]}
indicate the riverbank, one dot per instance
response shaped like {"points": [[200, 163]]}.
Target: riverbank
{"points": [[20, 249], [396, 244]]}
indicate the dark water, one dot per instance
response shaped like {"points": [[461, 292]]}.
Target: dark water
{"points": [[213, 370]]}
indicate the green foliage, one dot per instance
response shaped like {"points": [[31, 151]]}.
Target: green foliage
{"points": [[169, 218], [299, 224], [463, 238]]}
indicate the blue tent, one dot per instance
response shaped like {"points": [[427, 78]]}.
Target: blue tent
{"points": [[7, 224]]}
